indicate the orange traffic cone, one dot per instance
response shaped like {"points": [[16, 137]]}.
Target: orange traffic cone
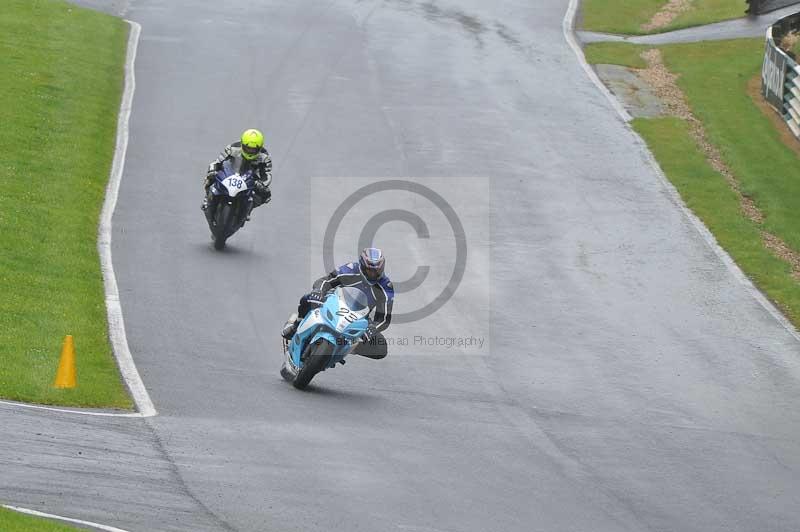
{"points": [[66, 376]]}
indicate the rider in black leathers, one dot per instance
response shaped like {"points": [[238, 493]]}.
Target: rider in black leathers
{"points": [[248, 153]]}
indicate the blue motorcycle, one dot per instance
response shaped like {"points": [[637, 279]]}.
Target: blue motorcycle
{"points": [[230, 201], [326, 335]]}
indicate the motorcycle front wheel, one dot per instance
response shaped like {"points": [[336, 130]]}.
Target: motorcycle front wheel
{"points": [[315, 360], [221, 231]]}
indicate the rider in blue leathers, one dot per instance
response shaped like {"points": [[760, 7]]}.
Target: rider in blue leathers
{"points": [[368, 275]]}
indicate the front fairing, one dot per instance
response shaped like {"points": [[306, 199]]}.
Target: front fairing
{"points": [[230, 182], [341, 321]]}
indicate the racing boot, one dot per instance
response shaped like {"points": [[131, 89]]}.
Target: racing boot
{"points": [[291, 327]]}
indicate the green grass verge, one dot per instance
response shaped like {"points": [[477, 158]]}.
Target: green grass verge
{"points": [[11, 521], [62, 82], [707, 193], [628, 16], [614, 53], [714, 77]]}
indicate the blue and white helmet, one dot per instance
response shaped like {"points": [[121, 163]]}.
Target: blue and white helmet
{"points": [[372, 263]]}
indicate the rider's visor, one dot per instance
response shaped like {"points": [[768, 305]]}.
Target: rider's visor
{"points": [[251, 150], [373, 274]]}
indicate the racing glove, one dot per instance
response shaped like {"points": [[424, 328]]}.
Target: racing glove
{"points": [[316, 298], [211, 174], [370, 333], [208, 182]]}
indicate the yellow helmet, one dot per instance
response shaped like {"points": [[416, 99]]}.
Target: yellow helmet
{"points": [[252, 142]]}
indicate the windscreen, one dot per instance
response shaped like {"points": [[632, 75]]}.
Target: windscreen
{"points": [[354, 298], [229, 168]]}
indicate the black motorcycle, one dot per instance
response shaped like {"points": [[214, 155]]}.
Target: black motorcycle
{"points": [[230, 202]]}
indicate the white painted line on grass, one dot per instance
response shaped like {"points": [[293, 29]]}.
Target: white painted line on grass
{"points": [[65, 519], [569, 34], [116, 324]]}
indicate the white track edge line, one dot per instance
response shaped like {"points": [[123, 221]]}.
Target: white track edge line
{"points": [[70, 411], [61, 518], [116, 324], [711, 241], [568, 26]]}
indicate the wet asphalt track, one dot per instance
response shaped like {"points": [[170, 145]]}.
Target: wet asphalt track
{"points": [[632, 382]]}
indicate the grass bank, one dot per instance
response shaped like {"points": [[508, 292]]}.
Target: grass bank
{"points": [[629, 16], [11, 521], [61, 84], [715, 76], [612, 53]]}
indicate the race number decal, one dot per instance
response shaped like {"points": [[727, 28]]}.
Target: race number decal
{"points": [[234, 184]]}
